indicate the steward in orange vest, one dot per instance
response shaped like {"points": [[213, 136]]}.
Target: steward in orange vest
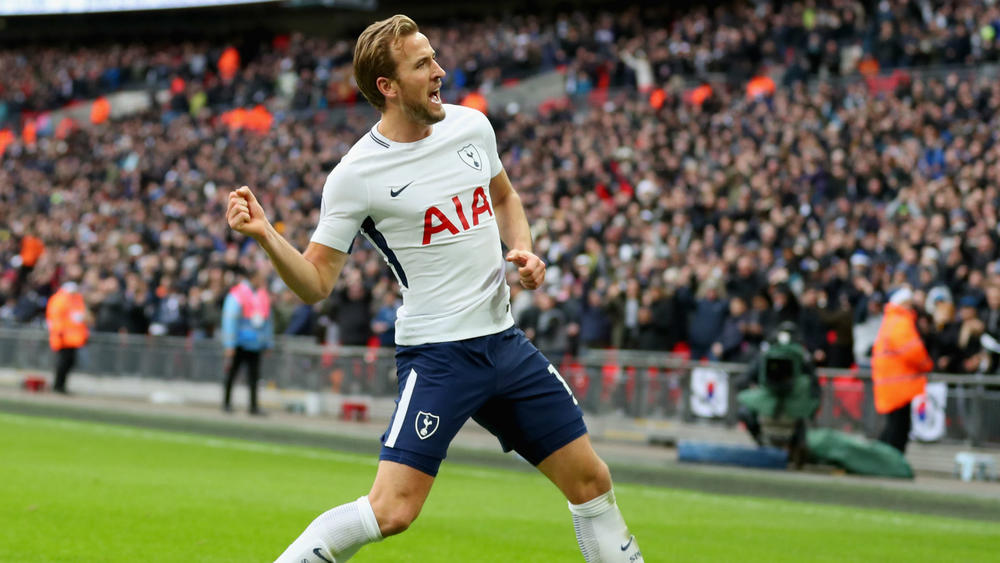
{"points": [[66, 316], [899, 364]]}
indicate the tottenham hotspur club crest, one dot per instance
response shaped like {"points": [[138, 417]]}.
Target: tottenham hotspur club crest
{"points": [[470, 155], [427, 424]]}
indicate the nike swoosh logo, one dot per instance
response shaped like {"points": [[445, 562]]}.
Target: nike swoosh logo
{"points": [[395, 193], [320, 555], [630, 540]]}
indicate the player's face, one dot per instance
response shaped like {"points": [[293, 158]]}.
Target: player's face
{"points": [[419, 79]]}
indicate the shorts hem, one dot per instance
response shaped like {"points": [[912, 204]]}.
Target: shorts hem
{"points": [[549, 444], [423, 463]]}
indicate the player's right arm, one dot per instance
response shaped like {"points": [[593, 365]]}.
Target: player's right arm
{"points": [[310, 275]]}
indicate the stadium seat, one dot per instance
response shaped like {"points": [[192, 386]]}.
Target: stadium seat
{"points": [[34, 383], [354, 410]]}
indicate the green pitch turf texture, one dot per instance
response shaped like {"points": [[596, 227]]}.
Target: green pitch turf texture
{"points": [[81, 491]]}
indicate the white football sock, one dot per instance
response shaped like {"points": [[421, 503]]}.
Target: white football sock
{"points": [[602, 533], [335, 535]]}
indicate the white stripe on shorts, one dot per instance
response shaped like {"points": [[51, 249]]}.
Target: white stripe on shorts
{"points": [[401, 408]]}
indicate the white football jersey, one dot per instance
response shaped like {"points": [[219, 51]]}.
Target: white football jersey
{"points": [[426, 207]]}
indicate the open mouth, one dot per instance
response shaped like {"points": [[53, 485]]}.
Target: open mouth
{"points": [[435, 97]]}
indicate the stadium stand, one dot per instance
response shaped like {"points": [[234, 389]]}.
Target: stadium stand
{"points": [[682, 204]]}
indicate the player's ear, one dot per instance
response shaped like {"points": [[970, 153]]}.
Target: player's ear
{"points": [[386, 86]]}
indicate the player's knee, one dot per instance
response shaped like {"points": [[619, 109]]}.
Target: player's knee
{"points": [[593, 481], [394, 518], [396, 522]]}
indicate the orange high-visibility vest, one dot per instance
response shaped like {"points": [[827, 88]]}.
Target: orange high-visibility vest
{"points": [[229, 63], [899, 360], [30, 132], [259, 119], [6, 138], [66, 315], [100, 111], [31, 249], [700, 94], [760, 86], [657, 98], [475, 100]]}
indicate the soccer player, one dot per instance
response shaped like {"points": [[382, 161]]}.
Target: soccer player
{"points": [[426, 187]]}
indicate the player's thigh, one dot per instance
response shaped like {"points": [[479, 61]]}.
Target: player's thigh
{"points": [[577, 471], [534, 411], [441, 386], [398, 495]]}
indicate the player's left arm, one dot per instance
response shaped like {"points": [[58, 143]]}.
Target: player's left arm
{"points": [[514, 231]]}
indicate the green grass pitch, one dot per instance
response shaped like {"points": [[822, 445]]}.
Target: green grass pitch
{"points": [[80, 491]]}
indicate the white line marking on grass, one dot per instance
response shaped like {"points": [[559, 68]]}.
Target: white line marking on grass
{"points": [[793, 507], [308, 452], [786, 506], [187, 439]]}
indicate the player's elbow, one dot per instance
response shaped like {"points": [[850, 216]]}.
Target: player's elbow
{"points": [[310, 294], [311, 297], [326, 264]]}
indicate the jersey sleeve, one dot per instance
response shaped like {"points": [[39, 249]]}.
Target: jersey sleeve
{"points": [[490, 143], [342, 210]]}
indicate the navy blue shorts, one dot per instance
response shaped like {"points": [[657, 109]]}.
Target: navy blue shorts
{"points": [[501, 381]]}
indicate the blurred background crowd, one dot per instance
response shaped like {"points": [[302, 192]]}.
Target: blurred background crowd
{"points": [[681, 204]]}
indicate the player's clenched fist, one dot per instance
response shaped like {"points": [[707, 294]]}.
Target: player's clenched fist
{"points": [[245, 215], [530, 268]]}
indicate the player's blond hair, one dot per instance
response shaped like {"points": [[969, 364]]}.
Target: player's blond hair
{"points": [[373, 55]]}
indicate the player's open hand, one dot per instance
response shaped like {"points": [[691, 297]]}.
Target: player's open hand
{"points": [[530, 268], [245, 215]]}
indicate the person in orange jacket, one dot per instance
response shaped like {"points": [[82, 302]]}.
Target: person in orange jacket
{"points": [[66, 316], [900, 363]]}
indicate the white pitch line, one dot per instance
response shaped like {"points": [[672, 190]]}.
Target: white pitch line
{"points": [[792, 507], [786, 506], [177, 438], [306, 452]]}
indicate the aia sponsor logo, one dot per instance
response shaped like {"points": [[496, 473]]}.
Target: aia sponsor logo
{"points": [[437, 221]]}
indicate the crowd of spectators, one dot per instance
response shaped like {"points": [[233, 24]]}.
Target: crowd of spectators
{"points": [[639, 45], [710, 228], [665, 227]]}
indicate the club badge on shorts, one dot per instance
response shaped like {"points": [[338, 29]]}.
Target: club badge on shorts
{"points": [[426, 424]]}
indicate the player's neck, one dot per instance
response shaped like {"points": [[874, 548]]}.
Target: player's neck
{"points": [[400, 128]]}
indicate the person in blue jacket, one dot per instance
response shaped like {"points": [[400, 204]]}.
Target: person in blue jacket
{"points": [[247, 331]]}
